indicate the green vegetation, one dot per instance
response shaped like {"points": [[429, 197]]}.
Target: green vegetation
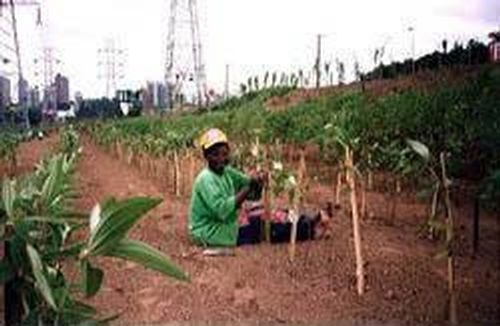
{"points": [[9, 143], [473, 53], [37, 224], [461, 119]]}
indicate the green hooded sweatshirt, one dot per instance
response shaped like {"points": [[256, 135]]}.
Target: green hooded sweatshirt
{"points": [[213, 218]]}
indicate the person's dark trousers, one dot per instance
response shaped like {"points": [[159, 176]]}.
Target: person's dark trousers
{"points": [[250, 233], [280, 232]]}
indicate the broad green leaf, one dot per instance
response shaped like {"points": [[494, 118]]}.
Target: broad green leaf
{"points": [[8, 197], [116, 220], [148, 257], [52, 184], [50, 220], [100, 322], [83, 308], [91, 278], [419, 148], [41, 281], [65, 252], [6, 271], [72, 214], [61, 294]]}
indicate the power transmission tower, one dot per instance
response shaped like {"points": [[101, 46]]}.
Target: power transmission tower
{"points": [[411, 29], [111, 65], [317, 64], [226, 84], [184, 62], [46, 67], [21, 82]]}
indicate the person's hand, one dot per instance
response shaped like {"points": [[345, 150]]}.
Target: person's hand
{"points": [[253, 175], [259, 177], [263, 177]]}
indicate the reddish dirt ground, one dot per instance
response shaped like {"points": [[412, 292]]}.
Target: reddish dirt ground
{"points": [[29, 154], [403, 283]]}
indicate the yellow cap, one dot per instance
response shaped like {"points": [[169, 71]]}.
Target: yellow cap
{"points": [[211, 137]]}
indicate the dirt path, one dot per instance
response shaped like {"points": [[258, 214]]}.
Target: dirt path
{"points": [[30, 153], [404, 283]]}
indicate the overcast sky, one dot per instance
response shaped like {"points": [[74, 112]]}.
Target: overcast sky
{"points": [[250, 36]]}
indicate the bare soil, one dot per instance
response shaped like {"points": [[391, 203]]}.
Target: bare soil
{"points": [[29, 154], [404, 283]]}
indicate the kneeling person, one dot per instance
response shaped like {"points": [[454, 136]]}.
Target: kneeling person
{"points": [[217, 195]]}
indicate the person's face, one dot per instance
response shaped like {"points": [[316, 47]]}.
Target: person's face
{"points": [[218, 157]]}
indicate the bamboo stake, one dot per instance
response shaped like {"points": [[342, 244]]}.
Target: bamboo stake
{"points": [[449, 241], [363, 200], [370, 180], [394, 201], [176, 175], [191, 169], [294, 218], [268, 211], [475, 225], [130, 157], [355, 221], [302, 176], [338, 189], [166, 171], [268, 201], [293, 235], [434, 204]]}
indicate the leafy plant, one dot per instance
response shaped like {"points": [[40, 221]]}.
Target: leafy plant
{"points": [[437, 169], [37, 224]]}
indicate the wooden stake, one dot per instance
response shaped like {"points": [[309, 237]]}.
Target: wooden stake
{"points": [[302, 177], [349, 164], [432, 216], [363, 200], [450, 243], [394, 201], [191, 170], [370, 180], [177, 190], [168, 171], [293, 235], [338, 189], [268, 211], [475, 228]]}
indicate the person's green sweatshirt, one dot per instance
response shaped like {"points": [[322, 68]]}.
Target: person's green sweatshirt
{"points": [[213, 218]]}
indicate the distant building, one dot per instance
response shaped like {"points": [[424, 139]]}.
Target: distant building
{"points": [[494, 46], [4, 92], [78, 101], [49, 102], [160, 98], [61, 85], [155, 96], [147, 98], [22, 92], [33, 97]]}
